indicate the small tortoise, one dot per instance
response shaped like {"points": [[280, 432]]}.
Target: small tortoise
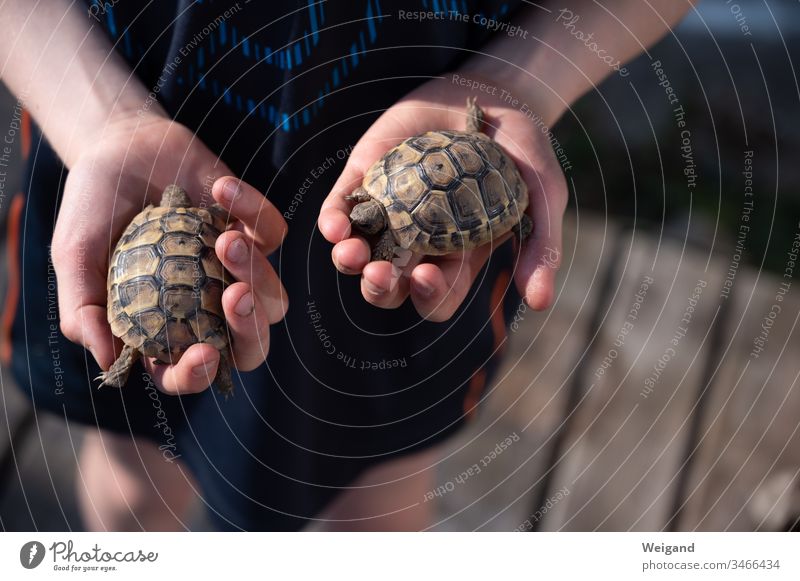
{"points": [[441, 192], [165, 286]]}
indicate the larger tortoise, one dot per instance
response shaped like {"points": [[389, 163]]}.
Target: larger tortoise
{"points": [[441, 192], [165, 286]]}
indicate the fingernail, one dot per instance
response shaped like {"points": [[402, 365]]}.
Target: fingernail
{"points": [[344, 269], [203, 370], [230, 189], [423, 288], [373, 289], [245, 305], [237, 251]]}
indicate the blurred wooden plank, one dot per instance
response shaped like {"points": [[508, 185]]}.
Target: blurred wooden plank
{"points": [[40, 492], [745, 472], [528, 396], [13, 408], [37, 487], [622, 460]]}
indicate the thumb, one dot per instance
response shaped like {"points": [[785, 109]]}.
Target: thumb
{"points": [[334, 221], [395, 125], [80, 250]]}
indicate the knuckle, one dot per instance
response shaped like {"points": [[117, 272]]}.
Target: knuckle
{"points": [[557, 191], [249, 363], [255, 353], [69, 328], [275, 309], [262, 336], [284, 230], [60, 250], [435, 317], [284, 303], [247, 366], [441, 315], [375, 301], [382, 302]]}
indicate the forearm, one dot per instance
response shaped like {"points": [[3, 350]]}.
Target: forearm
{"points": [[60, 64], [570, 46]]}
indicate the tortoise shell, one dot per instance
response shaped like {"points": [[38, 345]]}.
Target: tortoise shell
{"points": [[446, 191], [165, 282]]}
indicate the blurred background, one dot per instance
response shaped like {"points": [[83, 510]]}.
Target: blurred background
{"points": [[648, 397]]}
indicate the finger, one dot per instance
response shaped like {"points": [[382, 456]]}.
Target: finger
{"points": [[334, 217], [237, 255], [352, 255], [540, 256], [263, 222], [248, 325], [538, 266], [88, 326], [384, 285], [438, 288], [395, 125], [80, 259], [334, 221], [193, 373]]}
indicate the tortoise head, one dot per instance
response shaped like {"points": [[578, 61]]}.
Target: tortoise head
{"points": [[175, 197], [369, 217]]}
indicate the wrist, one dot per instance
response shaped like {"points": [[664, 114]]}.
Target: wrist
{"points": [[103, 118], [516, 87]]}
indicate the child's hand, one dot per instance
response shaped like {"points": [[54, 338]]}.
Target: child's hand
{"points": [[438, 286], [128, 167]]}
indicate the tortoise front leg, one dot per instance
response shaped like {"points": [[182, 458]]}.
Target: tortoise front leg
{"points": [[117, 374], [384, 247], [224, 379]]}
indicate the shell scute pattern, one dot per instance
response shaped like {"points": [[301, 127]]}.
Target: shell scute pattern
{"points": [[401, 157], [494, 194], [445, 191], [439, 169], [466, 201], [467, 158], [166, 282], [407, 186], [180, 244], [429, 141]]}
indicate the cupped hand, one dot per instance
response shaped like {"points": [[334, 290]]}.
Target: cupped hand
{"points": [[126, 168], [439, 284]]}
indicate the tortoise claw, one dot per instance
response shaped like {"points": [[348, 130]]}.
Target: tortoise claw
{"points": [[358, 196], [107, 380], [117, 374]]}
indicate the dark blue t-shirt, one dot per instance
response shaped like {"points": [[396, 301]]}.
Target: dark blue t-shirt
{"points": [[281, 91]]}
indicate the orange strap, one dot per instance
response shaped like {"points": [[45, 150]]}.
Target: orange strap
{"points": [[476, 385], [25, 132], [14, 278], [499, 334], [496, 309]]}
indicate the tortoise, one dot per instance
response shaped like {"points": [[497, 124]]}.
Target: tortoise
{"points": [[441, 192], [165, 287]]}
